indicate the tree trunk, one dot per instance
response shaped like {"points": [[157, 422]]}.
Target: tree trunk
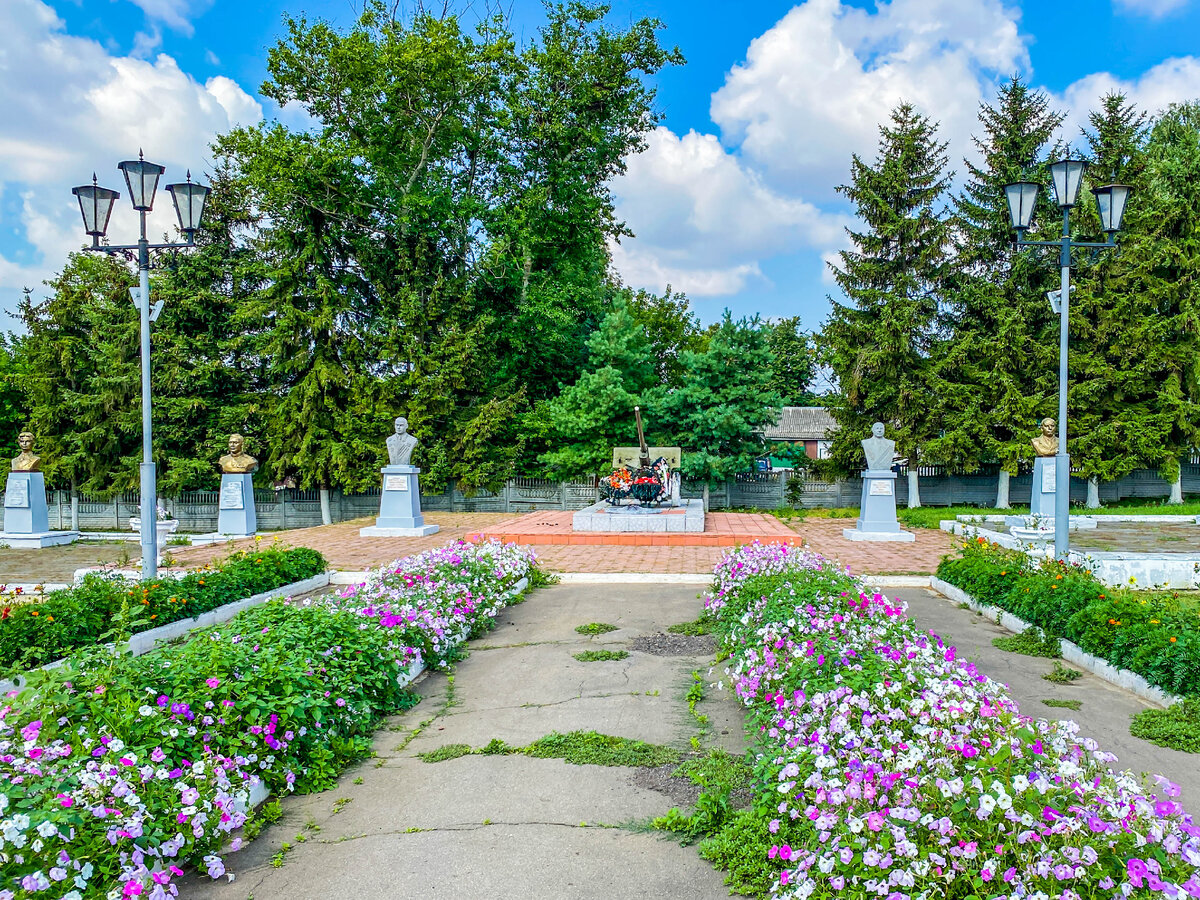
{"points": [[914, 488], [1177, 488], [705, 496], [1093, 497], [74, 505], [326, 515], [1002, 501]]}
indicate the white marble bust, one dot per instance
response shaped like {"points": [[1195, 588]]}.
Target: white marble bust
{"points": [[400, 445], [880, 451]]}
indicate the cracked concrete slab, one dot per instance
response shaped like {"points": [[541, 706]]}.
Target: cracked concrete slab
{"points": [[508, 826]]}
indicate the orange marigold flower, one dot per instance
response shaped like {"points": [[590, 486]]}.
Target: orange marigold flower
{"points": [[1173, 640]]}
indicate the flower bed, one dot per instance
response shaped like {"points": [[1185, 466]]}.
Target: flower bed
{"points": [[119, 770], [889, 768], [1154, 635], [33, 634]]}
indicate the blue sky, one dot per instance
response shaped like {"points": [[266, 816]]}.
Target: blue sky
{"points": [[733, 202]]}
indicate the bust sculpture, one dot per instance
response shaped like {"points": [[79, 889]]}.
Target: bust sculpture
{"points": [[879, 450], [25, 461], [237, 462], [400, 445], [1046, 443]]}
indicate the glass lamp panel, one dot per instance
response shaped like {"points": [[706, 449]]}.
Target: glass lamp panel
{"points": [[96, 204], [189, 204], [1111, 198], [142, 178], [1022, 199], [1067, 175]]}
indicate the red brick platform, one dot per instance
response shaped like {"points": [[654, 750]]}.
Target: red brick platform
{"points": [[720, 530]]}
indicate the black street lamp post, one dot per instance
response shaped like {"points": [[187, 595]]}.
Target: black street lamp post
{"points": [[1066, 176], [96, 204]]}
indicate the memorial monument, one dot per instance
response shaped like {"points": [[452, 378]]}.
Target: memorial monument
{"points": [[26, 517], [400, 501], [877, 513], [236, 516], [1041, 498], [642, 493]]}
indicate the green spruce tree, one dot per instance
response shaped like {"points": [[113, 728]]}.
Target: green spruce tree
{"points": [[881, 343], [996, 374]]}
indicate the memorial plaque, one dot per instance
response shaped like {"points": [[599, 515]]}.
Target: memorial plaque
{"points": [[880, 488], [231, 495], [395, 482], [1048, 479], [16, 495]]}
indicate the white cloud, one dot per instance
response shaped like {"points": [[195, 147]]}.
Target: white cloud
{"points": [[72, 108], [175, 14], [1171, 81], [815, 87], [1155, 9], [702, 220]]}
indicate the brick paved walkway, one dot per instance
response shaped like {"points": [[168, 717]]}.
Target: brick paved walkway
{"points": [[918, 558], [345, 550], [721, 529]]}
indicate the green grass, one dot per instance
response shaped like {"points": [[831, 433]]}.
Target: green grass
{"points": [[1062, 675], [702, 626], [579, 748], [1177, 728], [443, 753], [1064, 704], [1031, 642], [595, 628], [600, 655]]}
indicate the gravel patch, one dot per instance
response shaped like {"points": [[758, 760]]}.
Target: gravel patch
{"points": [[663, 644], [682, 791]]}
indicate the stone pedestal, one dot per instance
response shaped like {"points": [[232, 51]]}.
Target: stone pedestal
{"points": [[236, 516], [26, 519], [877, 515], [400, 506], [686, 517], [1039, 524]]}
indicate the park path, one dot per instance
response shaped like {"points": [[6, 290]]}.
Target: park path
{"points": [[510, 826]]}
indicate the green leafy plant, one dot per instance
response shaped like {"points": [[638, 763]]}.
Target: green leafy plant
{"points": [[36, 633], [1177, 727], [700, 627], [600, 655], [445, 752], [595, 628], [1064, 704], [580, 748], [1060, 674], [1030, 642]]}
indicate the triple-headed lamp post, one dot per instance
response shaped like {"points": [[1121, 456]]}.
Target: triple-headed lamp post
{"points": [[1066, 176], [96, 204]]}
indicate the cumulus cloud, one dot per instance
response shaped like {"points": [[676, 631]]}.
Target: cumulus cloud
{"points": [[812, 91], [1171, 81], [175, 14], [72, 108], [815, 87]]}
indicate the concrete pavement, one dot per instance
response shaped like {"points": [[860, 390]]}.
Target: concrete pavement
{"points": [[508, 826]]}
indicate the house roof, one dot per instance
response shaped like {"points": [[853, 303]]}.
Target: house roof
{"points": [[802, 423]]}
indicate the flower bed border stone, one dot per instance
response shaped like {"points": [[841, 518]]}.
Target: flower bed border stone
{"points": [[145, 641], [1071, 652]]}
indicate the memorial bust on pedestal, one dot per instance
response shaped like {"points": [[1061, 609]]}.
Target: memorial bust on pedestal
{"points": [[400, 499], [237, 461], [400, 445], [25, 461], [880, 451], [1046, 443]]}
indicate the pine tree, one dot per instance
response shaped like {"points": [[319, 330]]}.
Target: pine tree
{"points": [[881, 343], [793, 365], [586, 420], [725, 401], [997, 372], [1112, 394]]}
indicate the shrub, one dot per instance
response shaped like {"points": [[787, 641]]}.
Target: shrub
{"points": [[33, 634], [1153, 635]]}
